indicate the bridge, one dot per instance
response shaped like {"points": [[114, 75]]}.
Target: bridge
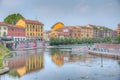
{"points": [[7, 44]]}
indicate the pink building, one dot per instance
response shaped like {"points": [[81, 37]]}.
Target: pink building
{"points": [[17, 33]]}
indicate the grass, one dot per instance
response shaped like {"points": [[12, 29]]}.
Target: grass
{"points": [[3, 51], [1, 63]]}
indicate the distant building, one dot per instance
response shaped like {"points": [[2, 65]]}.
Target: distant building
{"points": [[46, 35], [73, 32], [118, 29], [102, 32], [53, 32], [65, 32], [86, 32], [34, 28]]}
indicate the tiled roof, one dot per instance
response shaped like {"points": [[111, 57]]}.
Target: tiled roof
{"points": [[32, 21], [56, 24], [3, 24], [10, 25]]}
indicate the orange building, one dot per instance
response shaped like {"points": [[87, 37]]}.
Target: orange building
{"points": [[34, 28], [53, 33]]}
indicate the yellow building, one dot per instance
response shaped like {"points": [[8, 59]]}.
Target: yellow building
{"points": [[53, 33], [86, 32], [34, 28]]}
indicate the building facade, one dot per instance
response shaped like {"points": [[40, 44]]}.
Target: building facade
{"points": [[86, 32], [118, 29], [33, 28], [70, 32], [102, 32], [73, 32], [3, 30], [17, 33], [46, 35]]}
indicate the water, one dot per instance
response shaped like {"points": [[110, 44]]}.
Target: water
{"points": [[47, 64]]}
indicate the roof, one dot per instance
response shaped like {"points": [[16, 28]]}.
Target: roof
{"points": [[56, 24], [32, 21], [3, 24], [15, 26]]}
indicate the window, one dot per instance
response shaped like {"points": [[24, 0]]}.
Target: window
{"points": [[4, 34], [4, 28], [30, 34], [41, 34]]}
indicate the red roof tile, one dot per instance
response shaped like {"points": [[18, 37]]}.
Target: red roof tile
{"points": [[32, 21], [3, 24]]}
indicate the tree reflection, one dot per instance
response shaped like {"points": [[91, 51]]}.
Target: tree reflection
{"points": [[14, 73]]}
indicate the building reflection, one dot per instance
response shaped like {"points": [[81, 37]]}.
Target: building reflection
{"points": [[34, 63], [26, 64], [58, 59], [62, 57]]}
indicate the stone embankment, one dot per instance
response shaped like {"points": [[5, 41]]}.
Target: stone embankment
{"points": [[106, 50]]}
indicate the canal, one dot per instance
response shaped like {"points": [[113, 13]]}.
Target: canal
{"points": [[55, 64]]}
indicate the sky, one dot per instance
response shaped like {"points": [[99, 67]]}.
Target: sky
{"points": [[70, 12]]}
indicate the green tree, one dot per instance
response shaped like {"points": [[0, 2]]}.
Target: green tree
{"points": [[13, 18], [118, 39]]}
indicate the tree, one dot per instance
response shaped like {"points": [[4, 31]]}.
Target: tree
{"points": [[13, 18], [118, 39]]}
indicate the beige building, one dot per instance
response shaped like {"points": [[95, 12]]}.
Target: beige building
{"points": [[46, 35], [34, 28], [3, 29], [86, 32]]}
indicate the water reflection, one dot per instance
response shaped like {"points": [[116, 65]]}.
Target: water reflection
{"points": [[56, 64], [24, 63], [57, 57], [61, 57]]}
